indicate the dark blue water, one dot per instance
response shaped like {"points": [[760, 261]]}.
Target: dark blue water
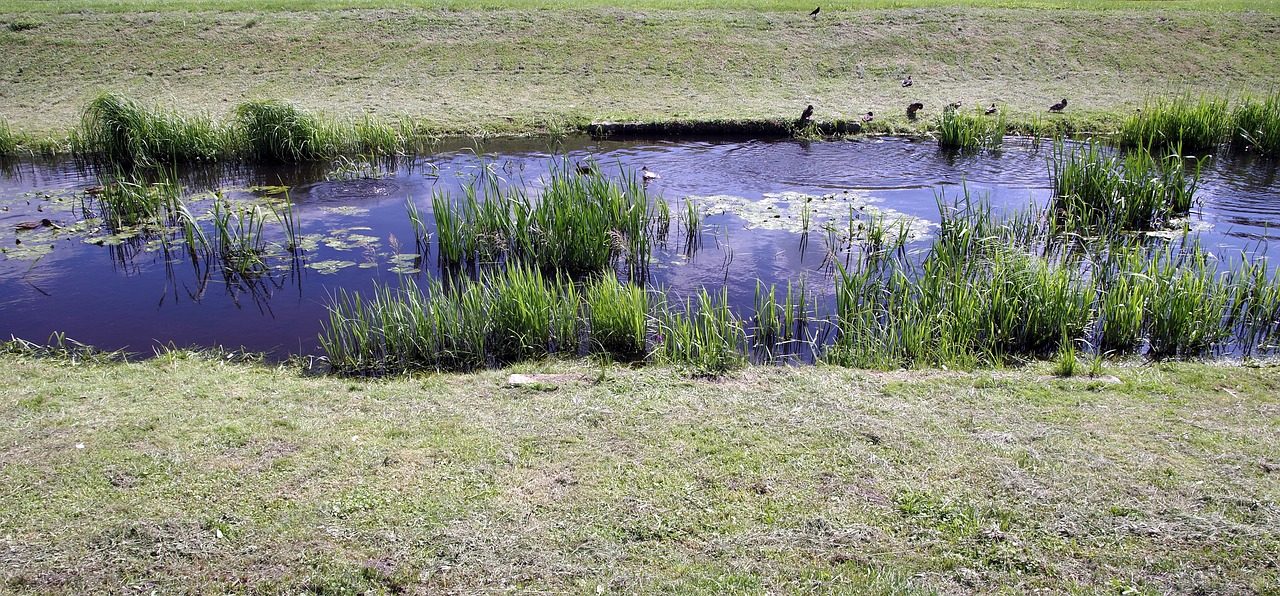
{"points": [[135, 296]]}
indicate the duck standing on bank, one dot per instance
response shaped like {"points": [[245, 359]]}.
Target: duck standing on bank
{"points": [[907, 82], [806, 114], [991, 110], [1058, 107], [912, 109]]}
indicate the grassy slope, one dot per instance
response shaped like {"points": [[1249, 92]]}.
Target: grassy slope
{"points": [[198, 476], [475, 70]]}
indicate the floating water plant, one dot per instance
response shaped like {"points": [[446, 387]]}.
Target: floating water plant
{"points": [[1186, 123]]}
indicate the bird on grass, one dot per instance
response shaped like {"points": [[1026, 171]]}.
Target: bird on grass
{"points": [[31, 225], [806, 114], [815, 11], [912, 109], [951, 107], [646, 174], [868, 117], [991, 110], [1058, 107], [907, 82]]}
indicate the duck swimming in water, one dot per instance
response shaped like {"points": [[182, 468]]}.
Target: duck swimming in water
{"points": [[646, 174], [31, 225]]}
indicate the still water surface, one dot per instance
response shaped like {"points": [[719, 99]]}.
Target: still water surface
{"points": [[132, 296]]}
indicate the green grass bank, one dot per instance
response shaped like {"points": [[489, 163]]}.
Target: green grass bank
{"points": [[470, 69], [192, 474]]}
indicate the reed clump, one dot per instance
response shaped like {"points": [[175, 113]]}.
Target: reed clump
{"points": [[9, 141], [1103, 192], [1192, 124], [704, 334], [277, 131], [965, 130], [1256, 125], [137, 198], [124, 132], [581, 223], [617, 316]]}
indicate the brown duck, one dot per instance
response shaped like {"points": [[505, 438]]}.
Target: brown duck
{"points": [[31, 225]]}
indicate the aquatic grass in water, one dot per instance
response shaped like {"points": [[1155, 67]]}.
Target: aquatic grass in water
{"points": [[581, 223], [964, 130], [138, 198], [617, 316], [1186, 123], [1256, 125], [9, 141], [124, 132], [706, 337], [1100, 192], [277, 131]]}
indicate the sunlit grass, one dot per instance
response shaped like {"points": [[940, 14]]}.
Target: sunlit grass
{"points": [[1193, 124]]}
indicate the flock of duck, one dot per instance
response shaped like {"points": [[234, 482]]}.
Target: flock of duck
{"points": [[914, 107]]}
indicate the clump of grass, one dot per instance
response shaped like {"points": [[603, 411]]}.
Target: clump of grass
{"points": [[1256, 125], [617, 316], [1191, 124], [706, 337], [1098, 191], [964, 130], [581, 223], [9, 141], [138, 198], [124, 132], [277, 131]]}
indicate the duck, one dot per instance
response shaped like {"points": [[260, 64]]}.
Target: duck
{"points": [[646, 174], [951, 107], [907, 82], [31, 225], [1058, 107], [868, 117], [991, 110], [815, 11], [912, 109], [581, 169], [807, 114]]}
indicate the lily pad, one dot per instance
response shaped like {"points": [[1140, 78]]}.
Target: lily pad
{"points": [[329, 267], [344, 210], [269, 189], [797, 212]]}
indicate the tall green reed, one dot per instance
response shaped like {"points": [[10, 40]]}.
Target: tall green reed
{"points": [[1183, 122], [277, 131], [707, 337], [617, 316], [124, 132], [964, 130], [1096, 191], [1256, 124]]}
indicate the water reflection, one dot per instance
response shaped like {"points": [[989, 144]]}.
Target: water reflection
{"points": [[143, 292]]}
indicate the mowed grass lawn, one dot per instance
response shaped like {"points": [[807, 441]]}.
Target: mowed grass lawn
{"points": [[194, 474], [480, 67]]}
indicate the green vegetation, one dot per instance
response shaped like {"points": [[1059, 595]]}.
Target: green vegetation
{"points": [[476, 70], [123, 132], [618, 317], [1191, 124], [1256, 124], [139, 198], [197, 473], [1098, 191], [581, 223], [965, 130]]}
